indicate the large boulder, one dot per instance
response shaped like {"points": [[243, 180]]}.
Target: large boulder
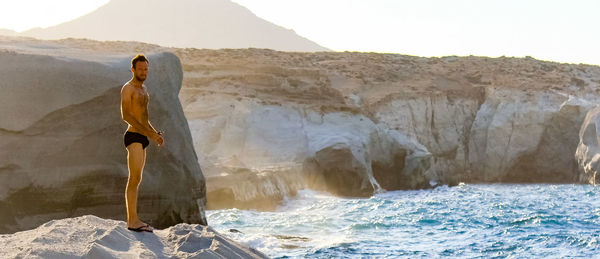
{"points": [[61, 144]]}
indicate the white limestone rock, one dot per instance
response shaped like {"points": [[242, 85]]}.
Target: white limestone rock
{"points": [[93, 237], [61, 138], [522, 136], [462, 119], [255, 153], [588, 150]]}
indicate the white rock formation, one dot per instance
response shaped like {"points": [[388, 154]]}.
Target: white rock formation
{"points": [[508, 130], [255, 152], [439, 122], [463, 119], [93, 237], [61, 138], [588, 150]]}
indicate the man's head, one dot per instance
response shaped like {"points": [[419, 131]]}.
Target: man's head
{"points": [[139, 67]]}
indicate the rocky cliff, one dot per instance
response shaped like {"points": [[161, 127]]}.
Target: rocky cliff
{"points": [[267, 123], [61, 145]]}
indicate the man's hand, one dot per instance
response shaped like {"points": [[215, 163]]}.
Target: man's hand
{"points": [[159, 138], [160, 141]]}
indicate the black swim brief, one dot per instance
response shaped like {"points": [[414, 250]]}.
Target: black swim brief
{"points": [[131, 137]]}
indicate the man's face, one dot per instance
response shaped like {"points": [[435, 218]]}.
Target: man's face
{"points": [[140, 71]]}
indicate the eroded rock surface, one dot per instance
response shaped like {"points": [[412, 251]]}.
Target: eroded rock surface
{"points": [[588, 150], [459, 119]]}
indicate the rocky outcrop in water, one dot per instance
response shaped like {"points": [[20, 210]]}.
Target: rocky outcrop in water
{"points": [[61, 145]]}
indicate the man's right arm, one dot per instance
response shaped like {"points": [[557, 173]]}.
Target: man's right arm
{"points": [[126, 115]]}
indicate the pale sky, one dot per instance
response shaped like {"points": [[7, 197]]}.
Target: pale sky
{"points": [[564, 31]]}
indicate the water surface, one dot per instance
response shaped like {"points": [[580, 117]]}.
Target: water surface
{"points": [[533, 220]]}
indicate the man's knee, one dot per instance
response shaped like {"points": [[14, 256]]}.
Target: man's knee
{"points": [[136, 163], [134, 179]]}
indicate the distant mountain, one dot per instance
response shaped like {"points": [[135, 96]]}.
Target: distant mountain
{"points": [[211, 24], [8, 32]]}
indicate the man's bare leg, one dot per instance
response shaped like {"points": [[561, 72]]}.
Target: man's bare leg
{"points": [[136, 159]]}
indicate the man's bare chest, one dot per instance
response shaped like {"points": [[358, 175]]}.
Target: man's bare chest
{"points": [[140, 97]]}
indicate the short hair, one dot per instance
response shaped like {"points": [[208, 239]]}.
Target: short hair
{"points": [[137, 58]]}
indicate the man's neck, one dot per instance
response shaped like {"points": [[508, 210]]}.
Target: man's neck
{"points": [[136, 83]]}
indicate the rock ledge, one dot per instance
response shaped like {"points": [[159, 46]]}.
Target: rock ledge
{"points": [[93, 237]]}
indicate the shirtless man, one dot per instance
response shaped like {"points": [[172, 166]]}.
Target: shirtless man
{"points": [[134, 111]]}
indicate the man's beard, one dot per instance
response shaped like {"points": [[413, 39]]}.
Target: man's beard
{"points": [[140, 79]]}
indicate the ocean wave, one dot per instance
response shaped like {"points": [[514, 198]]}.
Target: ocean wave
{"points": [[494, 220]]}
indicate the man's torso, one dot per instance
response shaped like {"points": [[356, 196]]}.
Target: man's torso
{"points": [[139, 105]]}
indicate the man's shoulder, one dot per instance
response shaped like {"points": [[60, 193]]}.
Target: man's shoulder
{"points": [[127, 88], [127, 84]]}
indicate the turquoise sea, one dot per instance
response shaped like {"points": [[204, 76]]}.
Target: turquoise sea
{"points": [[464, 221]]}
